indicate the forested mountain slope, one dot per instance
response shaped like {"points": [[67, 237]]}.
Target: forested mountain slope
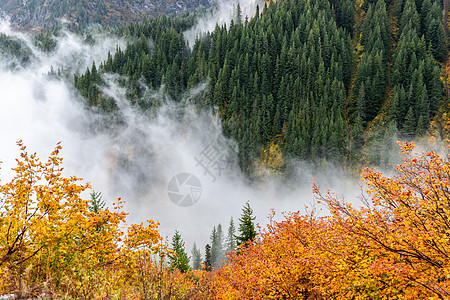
{"points": [[38, 14], [326, 81]]}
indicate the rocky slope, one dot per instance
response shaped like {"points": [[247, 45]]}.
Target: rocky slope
{"points": [[78, 14]]}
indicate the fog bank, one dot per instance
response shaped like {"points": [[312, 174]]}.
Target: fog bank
{"points": [[137, 160]]}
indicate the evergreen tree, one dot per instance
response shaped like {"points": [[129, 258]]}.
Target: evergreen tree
{"points": [[421, 127], [357, 134], [196, 258], [180, 259], [437, 38], [238, 14], [247, 230], [230, 242], [409, 127], [96, 203], [214, 253], [217, 249], [208, 265], [390, 137]]}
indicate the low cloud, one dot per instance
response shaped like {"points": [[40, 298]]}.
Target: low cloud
{"points": [[224, 12], [137, 159]]}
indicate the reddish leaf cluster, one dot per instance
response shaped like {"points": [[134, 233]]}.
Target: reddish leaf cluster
{"points": [[394, 247]]}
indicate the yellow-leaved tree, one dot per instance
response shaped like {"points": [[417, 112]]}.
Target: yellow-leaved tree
{"points": [[406, 221], [52, 244], [395, 246]]}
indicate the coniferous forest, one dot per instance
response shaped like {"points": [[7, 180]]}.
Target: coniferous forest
{"points": [[335, 83], [322, 81]]}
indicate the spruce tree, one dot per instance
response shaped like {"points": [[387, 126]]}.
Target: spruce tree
{"points": [[357, 135], [247, 230], [220, 239], [389, 139], [230, 242], [179, 260], [96, 203], [421, 127], [213, 238], [217, 251], [196, 258], [208, 266], [238, 14], [409, 127], [436, 35], [213, 251]]}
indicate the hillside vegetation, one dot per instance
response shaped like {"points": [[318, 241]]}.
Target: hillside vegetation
{"points": [[55, 244], [77, 15], [324, 81], [331, 82]]}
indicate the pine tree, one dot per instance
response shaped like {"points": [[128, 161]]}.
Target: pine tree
{"points": [[409, 127], [421, 127], [196, 258], [217, 251], [179, 260], [436, 35], [357, 130], [94, 73], [213, 238], [238, 14], [219, 247], [208, 266], [247, 230], [387, 145], [96, 203], [357, 134], [230, 243]]}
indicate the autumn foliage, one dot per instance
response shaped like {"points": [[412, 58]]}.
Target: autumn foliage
{"points": [[52, 245], [395, 246]]}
